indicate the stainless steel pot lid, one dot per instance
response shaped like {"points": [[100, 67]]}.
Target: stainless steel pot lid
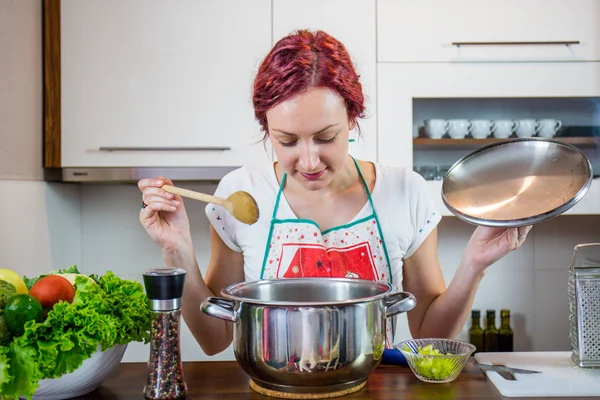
{"points": [[517, 182]]}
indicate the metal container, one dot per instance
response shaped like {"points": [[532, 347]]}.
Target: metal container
{"points": [[517, 182], [584, 305], [309, 335]]}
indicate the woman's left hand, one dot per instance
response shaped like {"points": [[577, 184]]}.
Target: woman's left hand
{"points": [[488, 245]]}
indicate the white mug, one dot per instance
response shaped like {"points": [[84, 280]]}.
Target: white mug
{"points": [[527, 128], [459, 128], [503, 128], [436, 128], [548, 127], [481, 128]]}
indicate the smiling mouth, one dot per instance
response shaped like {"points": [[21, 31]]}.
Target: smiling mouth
{"points": [[313, 177]]}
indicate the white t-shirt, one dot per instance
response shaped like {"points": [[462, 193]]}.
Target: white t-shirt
{"points": [[402, 201]]}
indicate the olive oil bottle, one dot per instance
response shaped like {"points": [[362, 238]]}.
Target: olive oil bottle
{"points": [[490, 333], [476, 332], [505, 333]]}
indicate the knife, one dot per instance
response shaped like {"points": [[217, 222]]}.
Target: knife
{"points": [[502, 368]]}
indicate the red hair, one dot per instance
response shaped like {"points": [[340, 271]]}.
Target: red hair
{"points": [[302, 60]]}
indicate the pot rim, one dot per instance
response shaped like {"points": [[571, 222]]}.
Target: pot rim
{"points": [[229, 291]]}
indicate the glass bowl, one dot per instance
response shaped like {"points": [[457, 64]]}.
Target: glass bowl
{"points": [[442, 367]]}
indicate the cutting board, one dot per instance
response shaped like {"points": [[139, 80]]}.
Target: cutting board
{"points": [[560, 376]]}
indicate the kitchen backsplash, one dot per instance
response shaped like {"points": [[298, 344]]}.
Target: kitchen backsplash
{"points": [[97, 228]]}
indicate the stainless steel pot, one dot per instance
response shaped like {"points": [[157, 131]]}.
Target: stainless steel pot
{"points": [[309, 335]]}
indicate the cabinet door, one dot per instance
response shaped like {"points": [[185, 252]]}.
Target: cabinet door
{"points": [[160, 83], [401, 85], [426, 30], [353, 23]]}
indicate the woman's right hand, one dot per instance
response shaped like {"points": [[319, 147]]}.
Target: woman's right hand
{"points": [[164, 216]]}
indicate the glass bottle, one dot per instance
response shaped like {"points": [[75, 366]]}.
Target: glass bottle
{"points": [[505, 333], [491, 332], [476, 332], [165, 380]]}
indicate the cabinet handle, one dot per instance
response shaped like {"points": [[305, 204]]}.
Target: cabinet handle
{"points": [[563, 42], [134, 148]]}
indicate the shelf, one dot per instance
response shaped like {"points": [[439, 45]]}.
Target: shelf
{"points": [[431, 143]]}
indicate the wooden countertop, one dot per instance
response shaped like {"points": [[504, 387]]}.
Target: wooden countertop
{"points": [[226, 380]]}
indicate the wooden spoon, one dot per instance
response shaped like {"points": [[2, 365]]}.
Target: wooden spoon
{"points": [[240, 204]]}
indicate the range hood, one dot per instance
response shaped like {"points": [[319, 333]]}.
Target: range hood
{"points": [[134, 174]]}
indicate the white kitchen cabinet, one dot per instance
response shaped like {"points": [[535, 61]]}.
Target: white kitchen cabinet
{"points": [[155, 83], [401, 84], [353, 23], [430, 30], [409, 93]]}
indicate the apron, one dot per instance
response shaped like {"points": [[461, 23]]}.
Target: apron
{"points": [[296, 248]]}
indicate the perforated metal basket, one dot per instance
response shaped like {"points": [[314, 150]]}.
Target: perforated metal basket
{"points": [[584, 305]]}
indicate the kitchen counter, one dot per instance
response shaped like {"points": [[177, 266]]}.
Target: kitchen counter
{"points": [[226, 380]]}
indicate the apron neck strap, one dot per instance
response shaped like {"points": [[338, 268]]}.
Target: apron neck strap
{"points": [[279, 196], [362, 178], [364, 181]]}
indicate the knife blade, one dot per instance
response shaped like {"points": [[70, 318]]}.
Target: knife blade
{"points": [[502, 368]]}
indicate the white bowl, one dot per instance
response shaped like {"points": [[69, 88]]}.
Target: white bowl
{"points": [[84, 379]]}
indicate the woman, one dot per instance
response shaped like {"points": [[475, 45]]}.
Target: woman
{"points": [[322, 213]]}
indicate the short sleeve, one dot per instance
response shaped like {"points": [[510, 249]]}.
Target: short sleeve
{"points": [[424, 214], [223, 222]]}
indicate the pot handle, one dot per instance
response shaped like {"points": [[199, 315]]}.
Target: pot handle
{"points": [[399, 302], [221, 308]]}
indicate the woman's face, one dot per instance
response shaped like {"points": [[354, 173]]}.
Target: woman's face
{"points": [[309, 134]]}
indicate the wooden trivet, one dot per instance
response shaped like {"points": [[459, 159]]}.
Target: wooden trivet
{"points": [[286, 395]]}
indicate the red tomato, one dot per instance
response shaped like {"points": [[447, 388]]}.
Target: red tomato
{"points": [[50, 289]]}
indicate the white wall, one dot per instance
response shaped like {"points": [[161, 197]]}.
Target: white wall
{"points": [[41, 226], [41, 223], [21, 90]]}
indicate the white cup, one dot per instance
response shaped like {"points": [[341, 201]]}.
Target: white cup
{"points": [[527, 128], [481, 128], [503, 128], [548, 127], [436, 128], [459, 128]]}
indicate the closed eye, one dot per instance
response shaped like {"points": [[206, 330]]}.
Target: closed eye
{"points": [[326, 140], [288, 144]]}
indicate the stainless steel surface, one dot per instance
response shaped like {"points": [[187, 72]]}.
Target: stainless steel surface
{"points": [[309, 335], [517, 182], [502, 368], [164, 148], [133, 174], [584, 305], [165, 305], [535, 43]]}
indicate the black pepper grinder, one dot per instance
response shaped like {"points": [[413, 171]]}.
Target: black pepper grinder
{"points": [[164, 288]]}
